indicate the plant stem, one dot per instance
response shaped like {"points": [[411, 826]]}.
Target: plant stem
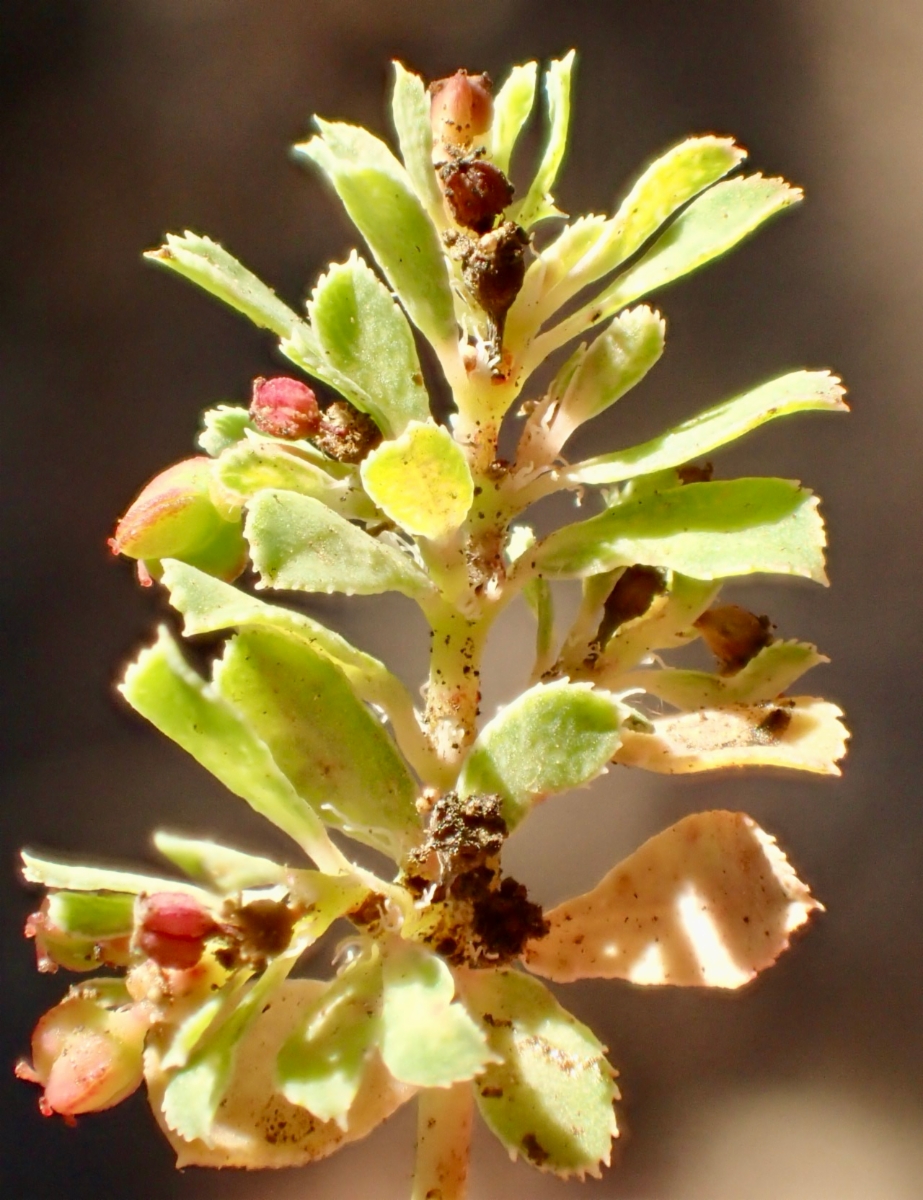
{"points": [[444, 1119], [454, 692]]}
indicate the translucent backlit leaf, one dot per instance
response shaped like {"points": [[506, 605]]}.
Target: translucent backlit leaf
{"points": [[162, 687], [192, 1096], [93, 914], [421, 481], [331, 748], [799, 391], [552, 738], [410, 113], [257, 1127], [590, 381], [427, 1040], [322, 1065], [712, 224], [54, 874], [210, 266], [379, 196], [593, 246], [299, 544], [801, 733], [766, 676], [706, 530], [208, 605], [366, 338], [223, 427], [219, 866], [512, 105], [538, 203], [710, 902], [253, 465], [550, 1096]]}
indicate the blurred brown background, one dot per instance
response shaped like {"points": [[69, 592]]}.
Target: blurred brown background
{"points": [[126, 118]]}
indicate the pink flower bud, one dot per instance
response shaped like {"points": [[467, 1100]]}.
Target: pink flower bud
{"points": [[175, 517], [173, 928], [461, 108], [284, 408], [85, 1056]]}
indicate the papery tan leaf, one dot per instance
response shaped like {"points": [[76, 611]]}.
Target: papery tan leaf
{"points": [[256, 1126], [800, 732], [709, 902]]}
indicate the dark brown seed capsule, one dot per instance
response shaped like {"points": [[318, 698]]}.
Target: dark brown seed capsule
{"points": [[494, 267], [345, 433], [733, 635], [475, 191], [284, 408], [631, 597]]}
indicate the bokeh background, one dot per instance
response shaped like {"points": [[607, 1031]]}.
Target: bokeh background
{"points": [[122, 119]]}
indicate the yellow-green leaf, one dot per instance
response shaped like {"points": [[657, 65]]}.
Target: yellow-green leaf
{"points": [[421, 481]]}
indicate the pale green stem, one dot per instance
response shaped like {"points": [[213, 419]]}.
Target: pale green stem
{"points": [[444, 1119], [453, 692]]}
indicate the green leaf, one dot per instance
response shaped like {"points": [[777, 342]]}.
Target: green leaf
{"points": [[427, 1040], [378, 195], [410, 113], [163, 688], [255, 464], [709, 902], [552, 738], [765, 677], [706, 530], [208, 605], [331, 748], [550, 1096], [321, 1067], [512, 105], [297, 543], [210, 266], [590, 381], [538, 203], [223, 427], [799, 391], [219, 866], [193, 1095], [93, 914], [366, 338], [54, 874], [256, 1126], [421, 481], [712, 224]]}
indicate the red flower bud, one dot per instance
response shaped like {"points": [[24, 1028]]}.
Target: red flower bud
{"points": [[461, 108], [175, 516], [284, 408], [87, 1057], [173, 928]]}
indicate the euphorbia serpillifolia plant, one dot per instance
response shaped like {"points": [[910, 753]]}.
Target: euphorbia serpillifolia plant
{"points": [[437, 991]]}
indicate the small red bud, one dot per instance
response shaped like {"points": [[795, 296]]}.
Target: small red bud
{"points": [[172, 928], [461, 108], [284, 408]]}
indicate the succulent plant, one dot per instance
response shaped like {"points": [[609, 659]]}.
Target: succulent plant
{"points": [[355, 488]]}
